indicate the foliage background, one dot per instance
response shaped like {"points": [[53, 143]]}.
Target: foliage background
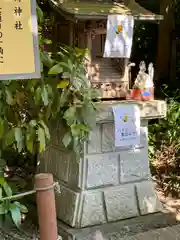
{"points": [[27, 108]]}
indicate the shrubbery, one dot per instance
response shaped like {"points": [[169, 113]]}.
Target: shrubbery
{"points": [[164, 147]]}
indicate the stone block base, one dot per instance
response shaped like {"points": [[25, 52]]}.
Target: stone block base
{"points": [[117, 230], [108, 204], [107, 183]]}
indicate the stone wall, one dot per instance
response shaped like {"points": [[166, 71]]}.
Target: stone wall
{"points": [[107, 184]]}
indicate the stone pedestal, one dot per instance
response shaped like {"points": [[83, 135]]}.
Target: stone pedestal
{"points": [[107, 184]]}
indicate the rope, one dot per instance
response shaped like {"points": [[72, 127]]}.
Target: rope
{"points": [[45, 188], [55, 185]]}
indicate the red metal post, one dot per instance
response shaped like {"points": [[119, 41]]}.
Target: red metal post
{"points": [[46, 206]]}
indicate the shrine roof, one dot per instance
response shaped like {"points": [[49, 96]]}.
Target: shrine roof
{"points": [[96, 9]]}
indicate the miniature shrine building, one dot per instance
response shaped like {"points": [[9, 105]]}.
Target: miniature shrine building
{"points": [[107, 183], [82, 23]]}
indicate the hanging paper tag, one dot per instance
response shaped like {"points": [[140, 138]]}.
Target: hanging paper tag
{"points": [[119, 36], [127, 125]]}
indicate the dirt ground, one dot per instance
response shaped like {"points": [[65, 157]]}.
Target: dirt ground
{"points": [[170, 204]]}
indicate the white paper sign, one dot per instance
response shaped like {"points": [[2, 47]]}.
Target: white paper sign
{"points": [[119, 36], [127, 125]]}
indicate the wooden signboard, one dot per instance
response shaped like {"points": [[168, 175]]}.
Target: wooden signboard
{"points": [[19, 49]]}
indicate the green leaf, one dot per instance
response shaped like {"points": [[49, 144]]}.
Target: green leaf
{"points": [[63, 84], [75, 131], [46, 59], [19, 138], [63, 98], [30, 145], [89, 114], [66, 75], [1, 93], [78, 129], [177, 115], [151, 149], [14, 187], [50, 91], [70, 114], [2, 166], [56, 69], [76, 145], [44, 96], [15, 214], [2, 180], [41, 139], [33, 123], [65, 66], [31, 137], [46, 129], [6, 82], [70, 64], [39, 14], [31, 84], [3, 209], [9, 138], [1, 127], [9, 98], [22, 208], [7, 189], [29, 142], [48, 112], [37, 96], [47, 41], [67, 139], [0, 193]]}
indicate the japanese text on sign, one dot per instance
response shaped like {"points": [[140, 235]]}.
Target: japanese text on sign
{"points": [[19, 52], [127, 125]]}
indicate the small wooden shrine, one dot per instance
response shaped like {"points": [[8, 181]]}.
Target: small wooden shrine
{"points": [[82, 23], [107, 183]]}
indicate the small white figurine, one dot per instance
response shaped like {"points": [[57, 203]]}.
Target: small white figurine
{"points": [[142, 76]]}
